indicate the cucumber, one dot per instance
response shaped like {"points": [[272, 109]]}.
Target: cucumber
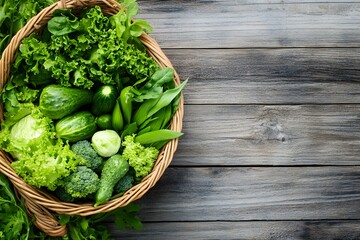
{"points": [[104, 100], [114, 169], [57, 102], [76, 127]]}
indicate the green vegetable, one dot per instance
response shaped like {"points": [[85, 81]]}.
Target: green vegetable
{"points": [[129, 129], [154, 87], [104, 100], [114, 169], [125, 183], [62, 25], [126, 27], [14, 14], [104, 121], [57, 102], [90, 158], [84, 228], [47, 166], [76, 127], [14, 222], [64, 196], [106, 142], [42, 160], [125, 98], [166, 98], [86, 50], [141, 158], [141, 115], [117, 120], [82, 182], [158, 121], [157, 136], [151, 106], [30, 133]]}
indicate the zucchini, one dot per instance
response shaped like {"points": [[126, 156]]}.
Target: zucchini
{"points": [[104, 100], [57, 101], [76, 127]]}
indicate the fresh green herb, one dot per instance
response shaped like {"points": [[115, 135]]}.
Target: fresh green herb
{"points": [[14, 223]]}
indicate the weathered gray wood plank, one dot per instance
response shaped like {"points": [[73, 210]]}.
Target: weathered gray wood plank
{"points": [[223, 194], [269, 135], [269, 76], [235, 24], [309, 230]]}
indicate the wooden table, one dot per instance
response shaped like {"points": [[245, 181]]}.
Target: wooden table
{"points": [[272, 121]]}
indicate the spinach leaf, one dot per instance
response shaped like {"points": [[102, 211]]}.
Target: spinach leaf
{"points": [[62, 25]]}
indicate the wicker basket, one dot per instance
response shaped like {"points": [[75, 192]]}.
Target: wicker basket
{"points": [[42, 204]]}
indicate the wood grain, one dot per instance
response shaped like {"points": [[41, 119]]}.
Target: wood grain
{"points": [[249, 24], [280, 230], [269, 135], [233, 194], [269, 76]]}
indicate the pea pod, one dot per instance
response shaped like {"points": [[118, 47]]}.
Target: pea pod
{"points": [[117, 120], [126, 103], [157, 136]]}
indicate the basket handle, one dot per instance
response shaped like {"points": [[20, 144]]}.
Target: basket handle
{"points": [[44, 220]]}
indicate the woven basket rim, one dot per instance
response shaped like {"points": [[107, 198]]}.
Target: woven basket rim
{"points": [[39, 202]]}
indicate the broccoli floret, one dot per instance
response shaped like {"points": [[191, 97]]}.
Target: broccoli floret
{"points": [[63, 195], [125, 183], [90, 158], [82, 183]]}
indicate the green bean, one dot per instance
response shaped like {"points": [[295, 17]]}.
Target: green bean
{"points": [[117, 118], [157, 136]]}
